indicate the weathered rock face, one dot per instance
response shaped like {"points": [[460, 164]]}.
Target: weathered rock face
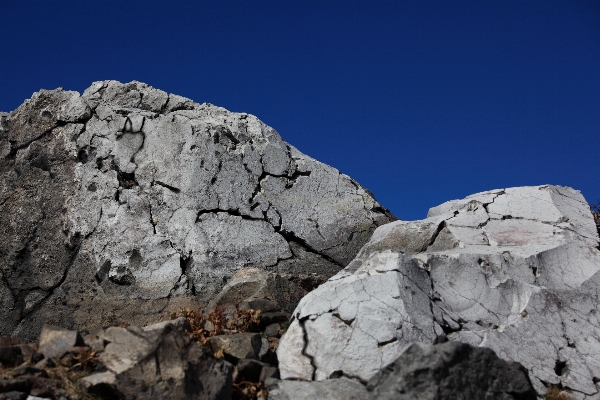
{"points": [[515, 270], [116, 204]]}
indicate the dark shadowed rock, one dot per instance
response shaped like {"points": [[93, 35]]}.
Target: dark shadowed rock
{"points": [[248, 370], [161, 363], [451, 371], [237, 346], [127, 202]]}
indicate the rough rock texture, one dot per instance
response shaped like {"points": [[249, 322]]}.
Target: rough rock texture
{"points": [[55, 341], [333, 389], [267, 291], [515, 270], [161, 363], [117, 204], [451, 371]]}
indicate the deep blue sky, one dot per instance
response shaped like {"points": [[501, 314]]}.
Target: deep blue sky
{"points": [[420, 101]]}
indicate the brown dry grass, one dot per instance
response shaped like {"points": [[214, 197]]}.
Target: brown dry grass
{"points": [[249, 391], [207, 324], [596, 213], [555, 393]]}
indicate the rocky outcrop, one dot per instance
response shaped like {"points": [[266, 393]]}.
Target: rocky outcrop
{"points": [[514, 270], [127, 201]]}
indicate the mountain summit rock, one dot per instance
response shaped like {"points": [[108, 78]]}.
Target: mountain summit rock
{"points": [[515, 270], [123, 202]]}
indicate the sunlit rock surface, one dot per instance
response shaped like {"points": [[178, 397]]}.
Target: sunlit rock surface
{"points": [[515, 270], [117, 204]]}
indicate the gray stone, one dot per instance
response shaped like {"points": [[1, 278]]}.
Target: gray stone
{"points": [[332, 389], [248, 370], [262, 290], [451, 371], [272, 330], [268, 373], [158, 363], [127, 203], [237, 346], [514, 270], [55, 341]]}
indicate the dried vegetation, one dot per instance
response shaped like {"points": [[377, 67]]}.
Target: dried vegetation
{"points": [[220, 321], [555, 393], [596, 213]]}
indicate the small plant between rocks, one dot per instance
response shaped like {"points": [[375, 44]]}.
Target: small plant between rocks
{"points": [[212, 328], [555, 393], [596, 214], [219, 321]]}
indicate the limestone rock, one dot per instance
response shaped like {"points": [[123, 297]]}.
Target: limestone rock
{"points": [[126, 202], [451, 371], [514, 270]]}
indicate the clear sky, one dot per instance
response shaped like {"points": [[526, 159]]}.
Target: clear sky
{"points": [[419, 101]]}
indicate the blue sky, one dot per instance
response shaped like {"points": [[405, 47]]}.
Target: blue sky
{"points": [[419, 101]]}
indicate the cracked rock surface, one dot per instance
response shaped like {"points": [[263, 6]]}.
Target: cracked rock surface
{"points": [[126, 201], [514, 270]]}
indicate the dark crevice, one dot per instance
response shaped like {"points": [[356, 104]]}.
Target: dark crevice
{"points": [[157, 362], [448, 329], [291, 237], [439, 228], [185, 263], [229, 211], [341, 374], [347, 322], [392, 340], [171, 188], [559, 367], [126, 180], [153, 222], [304, 353], [132, 158]]}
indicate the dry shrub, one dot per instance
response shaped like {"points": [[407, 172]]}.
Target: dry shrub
{"points": [[596, 213], [555, 393], [218, 321], [249, 391]]}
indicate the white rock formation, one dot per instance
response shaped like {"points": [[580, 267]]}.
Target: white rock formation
{"points": [[515, 270], [116, 203]]}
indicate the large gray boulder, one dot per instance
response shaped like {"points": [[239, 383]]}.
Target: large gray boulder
{"points": [[451, 371], [126, 202], [514, 270]]}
